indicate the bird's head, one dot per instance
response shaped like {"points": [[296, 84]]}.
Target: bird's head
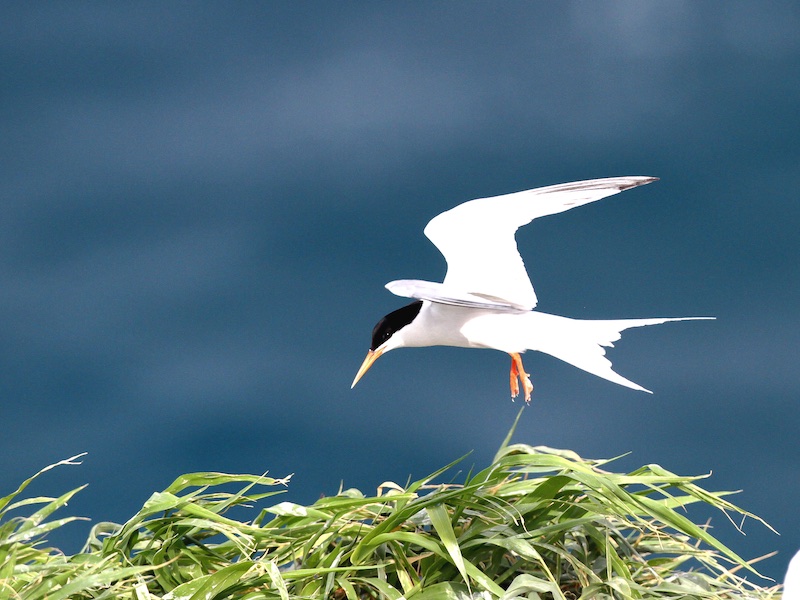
{"points": [[386, 335]]}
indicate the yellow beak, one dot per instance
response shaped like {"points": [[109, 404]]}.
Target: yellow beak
{"points": [[372, 356]]}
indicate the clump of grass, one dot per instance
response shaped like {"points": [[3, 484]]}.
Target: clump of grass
{"points": [[537, 523]]}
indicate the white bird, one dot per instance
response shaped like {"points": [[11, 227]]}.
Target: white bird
{"points": [[486, 299], [791, 583]]}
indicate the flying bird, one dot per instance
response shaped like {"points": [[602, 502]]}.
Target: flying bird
{"points": [[486, 299]]}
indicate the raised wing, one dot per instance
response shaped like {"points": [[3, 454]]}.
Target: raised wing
{"points": [[441, 294], [477, 237]]}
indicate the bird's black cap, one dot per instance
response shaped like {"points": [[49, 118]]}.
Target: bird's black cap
{"points": [[393, 322]]}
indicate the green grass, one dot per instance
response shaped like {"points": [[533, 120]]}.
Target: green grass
{"points": [[536, 523]]}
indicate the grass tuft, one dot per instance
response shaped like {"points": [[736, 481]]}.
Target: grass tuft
{"points": [[538, 523]]}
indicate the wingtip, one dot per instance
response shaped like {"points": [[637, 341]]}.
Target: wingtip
{"points": [[634, 386], [636, 181]]}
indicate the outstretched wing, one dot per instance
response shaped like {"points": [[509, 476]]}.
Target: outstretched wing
{"points": [[477, 237], [441, 294]]}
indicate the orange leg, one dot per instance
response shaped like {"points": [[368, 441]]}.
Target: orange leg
{"points": [[518, 374], [514, 376]]}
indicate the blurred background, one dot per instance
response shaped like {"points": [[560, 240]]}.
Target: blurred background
{"points": [[202, 203]]}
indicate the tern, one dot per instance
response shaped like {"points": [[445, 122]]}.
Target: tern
{"points": [[486, 299], [791, 583]]}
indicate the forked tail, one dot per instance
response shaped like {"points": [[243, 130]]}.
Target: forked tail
{"points": [[582, 343]]}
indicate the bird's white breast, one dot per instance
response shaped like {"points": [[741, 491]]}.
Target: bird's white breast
{"points": [[445, 325]]}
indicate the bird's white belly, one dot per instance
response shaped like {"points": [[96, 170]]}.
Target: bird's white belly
{"points": [[509, 332], [445, 325], [438, 325]]}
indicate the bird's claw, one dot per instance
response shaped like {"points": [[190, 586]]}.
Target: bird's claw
{"points": [[526, 383], [514, 382], [518, 374]]}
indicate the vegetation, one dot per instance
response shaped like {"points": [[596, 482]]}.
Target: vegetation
{"points": [[536, 523]]}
